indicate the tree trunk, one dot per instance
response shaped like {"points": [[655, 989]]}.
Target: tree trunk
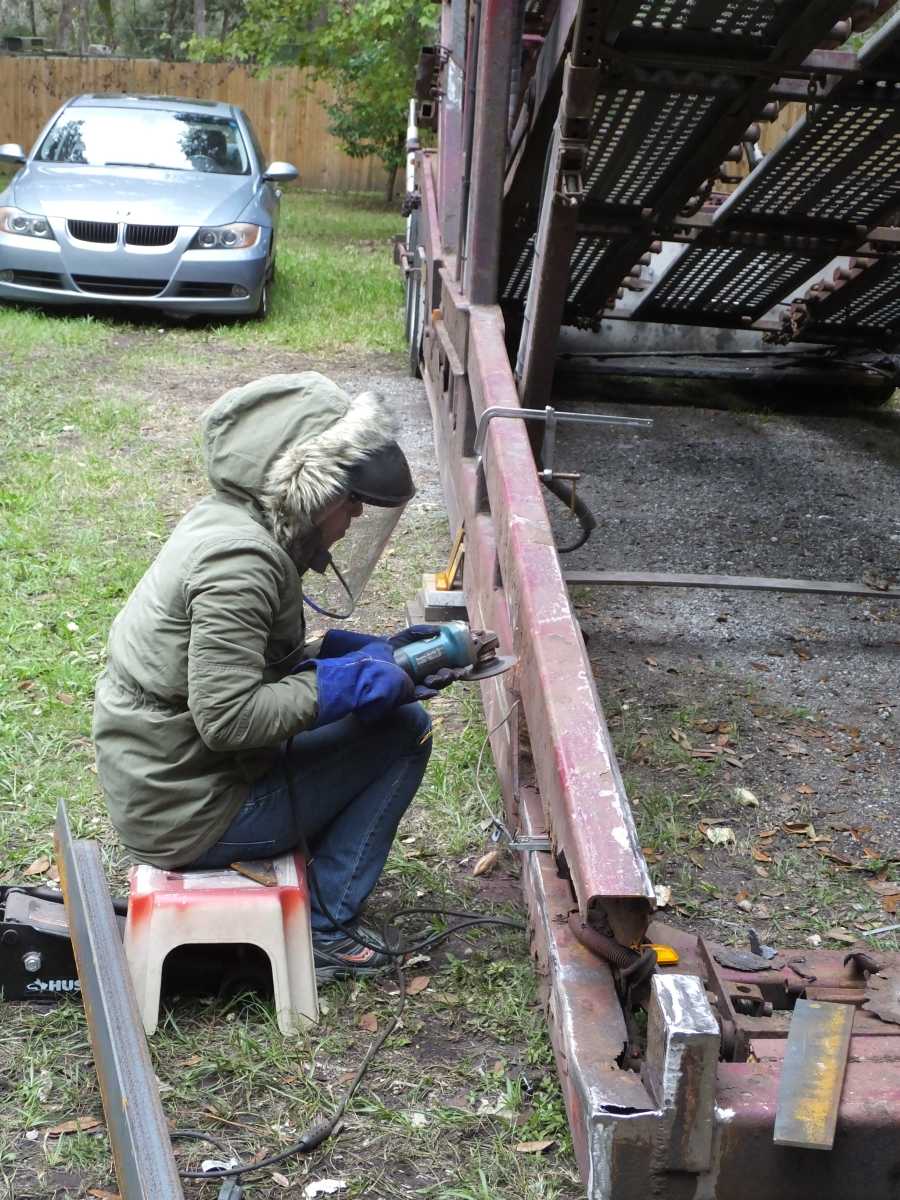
{"points": [[64, 26], [199, 18], [32, 19], [84, 25], [171, 26], [389, 183]]}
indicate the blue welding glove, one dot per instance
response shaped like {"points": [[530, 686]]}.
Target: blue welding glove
{"points": [[366, 682], [338, 642], [414, 633], [432, 684]]}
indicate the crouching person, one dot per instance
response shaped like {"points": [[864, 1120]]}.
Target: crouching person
{"points": [[220, 733]]}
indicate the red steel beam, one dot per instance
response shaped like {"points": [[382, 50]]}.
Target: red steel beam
{"points": [[513, 580]]}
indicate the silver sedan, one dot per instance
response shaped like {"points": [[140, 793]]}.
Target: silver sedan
{"points": [[144, 200]]}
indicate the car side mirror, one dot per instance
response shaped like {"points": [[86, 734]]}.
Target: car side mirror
{"points": [[11, 152], [280, 172]]}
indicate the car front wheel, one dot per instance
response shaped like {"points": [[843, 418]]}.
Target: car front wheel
{"points": [[265, 297]]}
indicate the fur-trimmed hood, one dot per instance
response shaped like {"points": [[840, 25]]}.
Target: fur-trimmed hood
{"points": [[287, 443]]}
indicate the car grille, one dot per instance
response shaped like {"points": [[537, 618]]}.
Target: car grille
{"points": [[93, 231], [41, 279], [205, 289], [150, 235], [119, 287]]}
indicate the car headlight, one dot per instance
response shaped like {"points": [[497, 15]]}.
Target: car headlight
{"points": [[13, 220], [226, 237]]}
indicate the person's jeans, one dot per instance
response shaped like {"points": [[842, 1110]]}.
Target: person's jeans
{"points": [[350, 783]]}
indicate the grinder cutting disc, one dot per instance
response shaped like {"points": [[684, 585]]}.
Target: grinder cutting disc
{"points": [[488, 667], [487, 661]]}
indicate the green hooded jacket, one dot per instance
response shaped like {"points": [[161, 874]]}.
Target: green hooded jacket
{"points": [[198, 694]]}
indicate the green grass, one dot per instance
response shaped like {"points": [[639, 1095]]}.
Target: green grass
{"points": [[92, 475]]}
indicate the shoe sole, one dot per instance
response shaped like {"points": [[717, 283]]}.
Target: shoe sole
{"points": [[327, 974]]}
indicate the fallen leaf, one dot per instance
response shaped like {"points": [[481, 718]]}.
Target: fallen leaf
{"points": [[758, 666], [663, 895], [889, 903], [38, 867], [651, 662], [369, 1022], [760, 855], [836, 858], [805, 790], [75, 1125], [680, 737], [745, 797], [65, 697], [281, 1180], [839, 934], [486, 863], [697, 858], [799, 828], [720, 835], [418, 984], [766, 833], [802, 654], [100, 1194], [535, 1147], [883, 887]]}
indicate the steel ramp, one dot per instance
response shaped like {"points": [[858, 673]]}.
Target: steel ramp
{"points": [[821, 195], [655, 134]]}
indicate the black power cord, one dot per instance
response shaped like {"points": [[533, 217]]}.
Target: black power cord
{"points": [[324, 1127]]}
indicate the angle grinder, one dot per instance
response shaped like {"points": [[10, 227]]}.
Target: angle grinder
{"points": [[458, 646]]}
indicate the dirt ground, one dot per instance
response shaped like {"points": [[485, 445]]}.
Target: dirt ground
{"points": [[770, 718]]}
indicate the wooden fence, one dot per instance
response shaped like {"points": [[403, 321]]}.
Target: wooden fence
{"points": [[285, 108]]}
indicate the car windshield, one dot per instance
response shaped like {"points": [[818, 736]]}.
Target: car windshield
{"points": [[172, 139]]}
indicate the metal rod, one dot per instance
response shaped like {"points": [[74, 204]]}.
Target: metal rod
{"points": [[543, 414], [741, 583], [138, 1134]]}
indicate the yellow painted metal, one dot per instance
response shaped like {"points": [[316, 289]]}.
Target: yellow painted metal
{"points": [[666, 956], [444, 581], [812, 1076]]}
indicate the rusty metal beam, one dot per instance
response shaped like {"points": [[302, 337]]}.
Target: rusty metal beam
{"points": [[740, 583], [491, 99], [138, 1134]]}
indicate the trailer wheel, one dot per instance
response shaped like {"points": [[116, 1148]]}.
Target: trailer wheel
{"points": [[415, 298]]}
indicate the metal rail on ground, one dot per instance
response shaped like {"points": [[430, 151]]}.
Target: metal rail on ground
{"points": [[138, 1133]]}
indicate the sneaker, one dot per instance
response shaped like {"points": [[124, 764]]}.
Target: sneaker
{"points": [[343, 956]]}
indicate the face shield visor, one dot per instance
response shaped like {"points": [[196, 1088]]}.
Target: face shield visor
{"points": [[382, 485]]}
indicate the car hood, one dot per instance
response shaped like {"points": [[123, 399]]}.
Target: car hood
{"points": [[141, 195]]}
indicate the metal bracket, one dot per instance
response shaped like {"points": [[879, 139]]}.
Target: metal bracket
{"points": [[530, 843], [551, 418]]}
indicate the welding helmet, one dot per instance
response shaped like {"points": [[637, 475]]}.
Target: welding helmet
{"points": [[382, 483]]}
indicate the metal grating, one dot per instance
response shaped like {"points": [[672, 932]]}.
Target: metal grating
{"points": [[650, 136], [843, 165], [872, 304], [586, 255], [726, 281], [93, 231], [735, 18], [150, 235]]}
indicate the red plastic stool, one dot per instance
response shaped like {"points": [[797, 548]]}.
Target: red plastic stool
{"points": [[173, 908]]}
